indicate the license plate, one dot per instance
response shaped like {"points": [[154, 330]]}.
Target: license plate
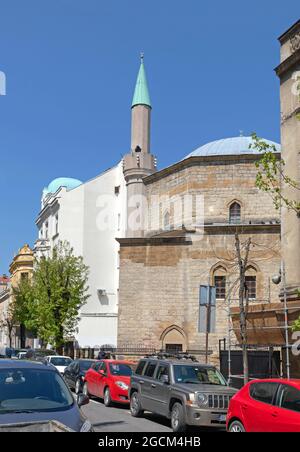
{"points": [[222, 418]]}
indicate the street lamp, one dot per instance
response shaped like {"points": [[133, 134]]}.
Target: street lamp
{"points": [[276, 280]]}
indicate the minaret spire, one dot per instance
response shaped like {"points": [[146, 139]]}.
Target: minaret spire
{"points": [[139, 162], [141, 93]]}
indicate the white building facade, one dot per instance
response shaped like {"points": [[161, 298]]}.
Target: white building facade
{"points": [[91, 215]]}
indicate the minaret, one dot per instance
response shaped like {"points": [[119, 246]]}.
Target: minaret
{"points": [[139, 162]]}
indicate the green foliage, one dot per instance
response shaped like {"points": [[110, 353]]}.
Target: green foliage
{"points": [[49, 304], [296, 325], [271, 177], [23, 305]]}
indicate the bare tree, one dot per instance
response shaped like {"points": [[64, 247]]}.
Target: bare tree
{"points": [[237, 258], [243, 259]]}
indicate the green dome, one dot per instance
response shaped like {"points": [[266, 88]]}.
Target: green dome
{"points": [[67, 182]]}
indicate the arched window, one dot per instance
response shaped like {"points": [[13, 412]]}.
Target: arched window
{"points": [[219, 281], [235, 213], [173, 339], [167, 220], [250, 282]]}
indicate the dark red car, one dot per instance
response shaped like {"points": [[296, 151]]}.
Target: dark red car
{"points": [[271, 405], [109, 379]]}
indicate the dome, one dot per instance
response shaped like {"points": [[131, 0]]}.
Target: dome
{"points": [[66, 182], [229, 146]]}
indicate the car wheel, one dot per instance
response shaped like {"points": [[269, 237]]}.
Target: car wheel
{"points": [[85, 390], [78, 386], [107, 398], [236, 427], [177, 418], [135, 405]]}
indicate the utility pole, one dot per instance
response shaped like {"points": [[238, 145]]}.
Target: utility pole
{"points": [[208, 306], [229, 335]]}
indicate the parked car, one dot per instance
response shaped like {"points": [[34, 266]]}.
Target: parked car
{"points": [[271, 405], [60, 362], [6, 352], [182, 390], [33, 391], [38, 354], [21, 355], [109, 379], [75, 372]]}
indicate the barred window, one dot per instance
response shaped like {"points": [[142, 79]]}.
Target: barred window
{"points": [[220, 284], [235, 213], [250, 282]]}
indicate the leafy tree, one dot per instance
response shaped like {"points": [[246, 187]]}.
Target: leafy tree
{"points": [[271, 175], [50, 302]]}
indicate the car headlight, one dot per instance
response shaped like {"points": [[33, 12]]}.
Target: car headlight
{"points": [[202, 399], [191, 398], [86, 427], [122, 385]]}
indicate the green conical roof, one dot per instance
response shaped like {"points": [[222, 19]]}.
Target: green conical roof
{"points": [[141, 93]]}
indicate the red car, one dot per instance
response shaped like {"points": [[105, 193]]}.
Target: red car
{"points": [[271, 405], [109, 379]]}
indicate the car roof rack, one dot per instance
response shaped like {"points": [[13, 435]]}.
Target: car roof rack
{"points": [[175, 356]]}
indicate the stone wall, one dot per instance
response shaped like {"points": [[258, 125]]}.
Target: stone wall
{"points": [[159, 284], [220, 180]]}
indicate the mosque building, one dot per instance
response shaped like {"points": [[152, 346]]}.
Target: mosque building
{"points": [[152, 237]]}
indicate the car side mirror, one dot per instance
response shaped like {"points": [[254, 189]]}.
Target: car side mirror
{"points": [[82, 399], [164, 379], [102, 372]]}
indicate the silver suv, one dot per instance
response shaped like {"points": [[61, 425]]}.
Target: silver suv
{"points": [[181, 389]]}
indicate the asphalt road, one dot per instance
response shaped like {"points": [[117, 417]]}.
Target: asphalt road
{"points": [[119, 419]]}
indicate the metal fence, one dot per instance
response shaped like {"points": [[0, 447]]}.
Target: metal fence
{"points": [[134, 351]]}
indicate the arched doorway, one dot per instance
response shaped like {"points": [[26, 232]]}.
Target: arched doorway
{"points": [[173, 339]]}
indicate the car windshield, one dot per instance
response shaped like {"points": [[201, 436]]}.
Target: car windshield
{"points": [[198, 374], [121, 369], [85, 365], [26, 390], [60, 361]]}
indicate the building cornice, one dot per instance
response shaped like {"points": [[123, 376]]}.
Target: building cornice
{"points": [[202, 160], [21, 264], [288, 64], [230, 229], [143, 241], [48, 207], [186, 237], [290, 32]]}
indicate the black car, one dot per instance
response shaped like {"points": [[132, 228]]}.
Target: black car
{"points": [[33, 392], [75, 372]]}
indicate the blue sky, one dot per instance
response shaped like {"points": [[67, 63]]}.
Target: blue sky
{"points": [[71, 67]]}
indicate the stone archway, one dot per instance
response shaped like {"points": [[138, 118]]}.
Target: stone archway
{"points": [[173, 339]]}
